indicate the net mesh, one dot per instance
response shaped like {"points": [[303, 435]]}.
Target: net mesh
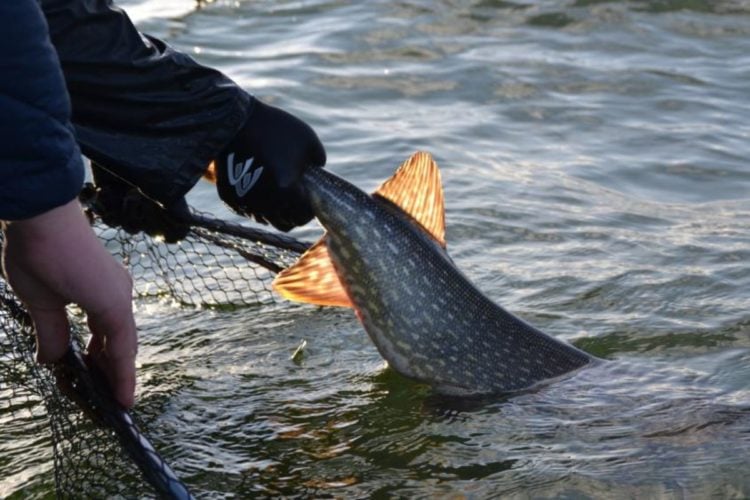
{"points": [[217, 265], [210, 267]]}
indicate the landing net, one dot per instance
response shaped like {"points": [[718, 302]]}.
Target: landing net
{"points": [[103, 456]]}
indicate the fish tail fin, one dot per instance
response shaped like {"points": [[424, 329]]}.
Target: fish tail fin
{"points": [[416, 188]]}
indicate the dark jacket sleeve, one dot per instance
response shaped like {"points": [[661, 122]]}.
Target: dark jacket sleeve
{"points": [[40, 163], [148, 113]]}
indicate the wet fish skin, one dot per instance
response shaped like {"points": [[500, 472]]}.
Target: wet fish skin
{"points": [[425, 317]]}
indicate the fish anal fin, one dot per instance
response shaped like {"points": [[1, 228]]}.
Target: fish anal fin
{"points": [[416, 188], [312, 279]]}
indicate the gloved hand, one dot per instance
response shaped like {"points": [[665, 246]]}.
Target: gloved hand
{"points": [[257, 172], [121, 205]]}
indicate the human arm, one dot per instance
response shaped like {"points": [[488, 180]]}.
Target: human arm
{"points": [[51, 256], [155, 118], [148, 113]]}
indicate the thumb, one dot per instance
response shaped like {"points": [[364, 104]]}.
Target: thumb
{"points": [[52, 333]]}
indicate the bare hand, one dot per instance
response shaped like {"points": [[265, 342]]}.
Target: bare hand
{"points": [[55, 259]]}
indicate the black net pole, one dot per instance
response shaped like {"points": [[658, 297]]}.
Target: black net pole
{"points": [[92, 394]]}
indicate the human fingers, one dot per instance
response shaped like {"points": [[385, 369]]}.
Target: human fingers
{"points": [[317, 152], [302, 211], [52, 333], [113, 347]]}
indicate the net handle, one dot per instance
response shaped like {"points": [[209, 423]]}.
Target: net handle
{"points": [[94, 397], [197, 219]]}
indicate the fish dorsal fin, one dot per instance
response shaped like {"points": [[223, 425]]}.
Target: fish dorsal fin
{"points": [[416, 189], [313, 279]]}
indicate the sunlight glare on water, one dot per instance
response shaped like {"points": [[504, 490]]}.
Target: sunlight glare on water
{"points": [[595, 162]]}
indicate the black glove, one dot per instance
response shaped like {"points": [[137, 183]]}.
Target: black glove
{"points": [[257, 172], [121, 205]]}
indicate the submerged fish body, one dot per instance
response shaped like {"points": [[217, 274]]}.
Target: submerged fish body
{"points": [[425, 317]]}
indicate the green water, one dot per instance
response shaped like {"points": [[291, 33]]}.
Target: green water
{"points": [[594, 155]]}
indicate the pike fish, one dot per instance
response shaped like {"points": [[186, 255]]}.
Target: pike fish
{"points": [[384, 255]]}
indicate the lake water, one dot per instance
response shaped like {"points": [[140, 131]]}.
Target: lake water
{"points": [[595, 161]]}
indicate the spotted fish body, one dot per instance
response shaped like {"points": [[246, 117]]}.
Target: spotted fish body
{"points": [[425, 317]]}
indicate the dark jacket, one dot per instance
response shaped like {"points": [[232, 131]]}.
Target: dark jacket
{"points": [[150, 114], [40, 163]]}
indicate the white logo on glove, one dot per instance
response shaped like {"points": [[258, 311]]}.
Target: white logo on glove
{"points": [[240, 176]]}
